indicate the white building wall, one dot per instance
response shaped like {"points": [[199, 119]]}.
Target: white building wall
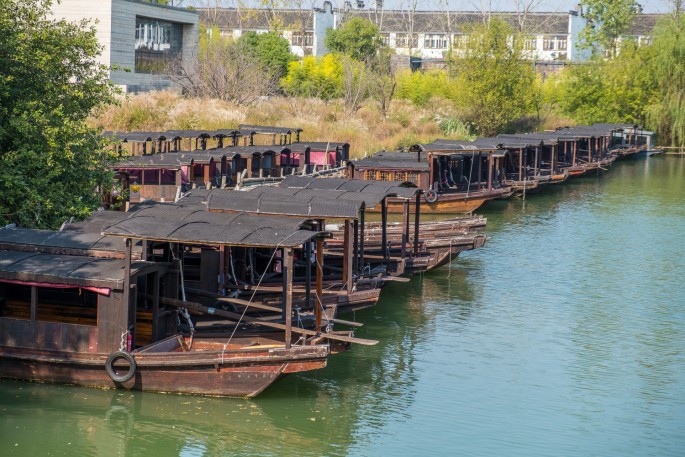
{"points": [[576, 23], [324, 19], [98, 12]]}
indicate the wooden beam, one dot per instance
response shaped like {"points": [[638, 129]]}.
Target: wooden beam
{"points": [[319, 281], [197, 307], [288, 296]]}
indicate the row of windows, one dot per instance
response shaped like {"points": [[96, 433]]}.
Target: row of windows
{"points": [[381, 175], [156, 43], [441, 41]]}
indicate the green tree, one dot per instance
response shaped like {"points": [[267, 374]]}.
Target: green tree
{"points": [[358, 38], [271, 49], [51, 163], [607, 21], [493, 78], [667, 114], [618, 90]]}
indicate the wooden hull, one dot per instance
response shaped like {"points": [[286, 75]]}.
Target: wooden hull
{"points": [[446, 204], [172, 366]]}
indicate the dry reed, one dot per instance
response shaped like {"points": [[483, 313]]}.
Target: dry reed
{"points": [[367, 130]]}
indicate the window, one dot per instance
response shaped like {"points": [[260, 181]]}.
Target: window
{"points": [[412, 176], [554, 42], [69, 305], [384, 176], [403, 40], [459, 41], [303, 39], [435, 42], [530, 43], [156, 43], [385, 38], [644, 41]]}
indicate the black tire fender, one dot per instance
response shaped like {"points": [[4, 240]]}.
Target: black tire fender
{"points": [[113, 358], [431, 196]]}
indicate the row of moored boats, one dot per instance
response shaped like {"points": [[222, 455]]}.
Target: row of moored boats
{"points": [[231, 258]]}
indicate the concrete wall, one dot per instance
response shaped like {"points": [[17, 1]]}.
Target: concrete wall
{"points": [[98, 12], [116, 28], [576, 23], [324, 19]]}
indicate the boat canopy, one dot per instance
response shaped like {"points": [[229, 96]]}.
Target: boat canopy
{"points": [[35, 268], [67, 239], [289, 202], [196, 225]]}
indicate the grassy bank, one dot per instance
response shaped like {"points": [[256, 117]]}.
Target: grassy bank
{"points": [[367, 130]]}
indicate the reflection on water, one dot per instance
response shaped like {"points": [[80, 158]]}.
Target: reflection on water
{"points": [[565, 335]]}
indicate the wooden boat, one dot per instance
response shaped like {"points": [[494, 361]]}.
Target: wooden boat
{"points": [[74, 310], [456, 177]]}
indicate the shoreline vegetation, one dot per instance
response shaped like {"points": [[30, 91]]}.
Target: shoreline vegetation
{"points": [[367, 130]]}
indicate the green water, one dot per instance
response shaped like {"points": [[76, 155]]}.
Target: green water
{"points": [[564, 336]]}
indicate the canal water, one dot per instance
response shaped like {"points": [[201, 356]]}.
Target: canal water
{"points": [[564, 335]]}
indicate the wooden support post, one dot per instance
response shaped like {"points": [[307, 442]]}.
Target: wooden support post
{"points": [[491, 165], [34, 302], [384, 231], [308, 273], [405, 228], [355, 261], [319, 281], [222, 267], [575, 150], [361, 242], [520, 164], [288, 296], [480, 170], [156, 324], [417, 213], [347, 257], [131, 319]]}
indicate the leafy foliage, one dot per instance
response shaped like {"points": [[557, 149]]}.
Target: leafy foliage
{"points": [[617, 90], [607, 21], [271, 49], [358, 38], [51, 164], [421, 87], [667, 113], [315, 77], [493, 78]]}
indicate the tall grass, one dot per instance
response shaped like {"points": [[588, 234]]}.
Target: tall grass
{"points": [[367, 130]]}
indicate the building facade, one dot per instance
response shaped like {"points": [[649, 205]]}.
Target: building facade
{"points": [[138, 38], [429, 35]]}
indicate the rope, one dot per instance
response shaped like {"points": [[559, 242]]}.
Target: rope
{"points": [[253, 295]]}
